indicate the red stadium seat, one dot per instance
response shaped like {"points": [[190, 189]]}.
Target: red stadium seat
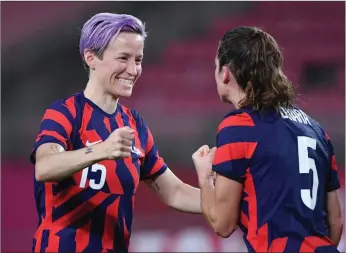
{"points": [[186, 69]]}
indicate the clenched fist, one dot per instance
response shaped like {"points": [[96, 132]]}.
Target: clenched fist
{"points": [[119, 143], [203, 160]]}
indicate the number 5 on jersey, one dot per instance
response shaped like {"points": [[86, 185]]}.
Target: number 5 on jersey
{"points": [[92, 182], [305, 165]]}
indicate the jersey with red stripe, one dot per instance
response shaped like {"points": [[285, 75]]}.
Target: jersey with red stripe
{"points": [[92, 211], [286, 164]]}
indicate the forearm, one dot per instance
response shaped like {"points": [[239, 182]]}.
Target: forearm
{"points": [[334, 217], [175, 193], [216, 209], [187, 199], [335, 231], [207, 201], [58, 166]]}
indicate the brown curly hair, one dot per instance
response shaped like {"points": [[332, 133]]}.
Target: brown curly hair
{"points": [[255, 59]]}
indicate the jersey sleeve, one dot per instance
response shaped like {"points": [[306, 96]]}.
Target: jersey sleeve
{"points": [[235, 147], [153, 164], [56, 127], [333, 182]]}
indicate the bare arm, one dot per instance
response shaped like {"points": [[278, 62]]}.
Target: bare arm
{"points": [[334, 218], [208, 201], [220, 205], [53, 163], [175, 193]]}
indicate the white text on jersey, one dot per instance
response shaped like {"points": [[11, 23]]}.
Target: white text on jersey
{"points": [[294, 115]]}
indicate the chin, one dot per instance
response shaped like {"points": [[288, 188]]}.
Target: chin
{"points": [[124, 93], [121, 91]]}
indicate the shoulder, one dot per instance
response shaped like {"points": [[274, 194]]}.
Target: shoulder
{"points": [[237, 127], [66, 106], [236, 118], [314, 125]]}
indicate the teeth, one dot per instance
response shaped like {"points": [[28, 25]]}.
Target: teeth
{"points": [[126, 82]]}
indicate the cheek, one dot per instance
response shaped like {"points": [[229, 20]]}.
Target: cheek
{"points": [[219, 88], [216, 76], [116, 68], [139, 70], [217, 79], [220, 85]]}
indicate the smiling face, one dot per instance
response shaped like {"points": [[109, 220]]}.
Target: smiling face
{"points": [[120, 65]]}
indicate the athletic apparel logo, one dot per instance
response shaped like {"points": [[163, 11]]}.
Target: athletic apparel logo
{"points": [[88, 144], [136, 151]]}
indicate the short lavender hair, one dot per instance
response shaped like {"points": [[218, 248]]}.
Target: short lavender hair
{"points": [[102, 27]]}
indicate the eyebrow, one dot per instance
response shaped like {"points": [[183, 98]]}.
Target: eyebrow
{"points": [[129, 55]]}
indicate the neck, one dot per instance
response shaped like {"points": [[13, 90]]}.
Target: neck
{"points": [[235, 97], [98, 96]]}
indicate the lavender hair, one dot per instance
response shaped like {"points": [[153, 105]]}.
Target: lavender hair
{"points": [[102, 27]]}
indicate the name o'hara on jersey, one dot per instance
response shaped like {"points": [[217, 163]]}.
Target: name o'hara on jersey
{"points": [[294, 115]]}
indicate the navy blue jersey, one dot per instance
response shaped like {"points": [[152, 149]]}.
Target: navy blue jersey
{"points": [[92, 211], [286, 164]]}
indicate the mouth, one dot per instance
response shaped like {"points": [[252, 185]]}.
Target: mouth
{"points": [[126, 82]]}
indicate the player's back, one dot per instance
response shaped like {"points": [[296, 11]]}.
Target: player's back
{"points": [[286, 184]]}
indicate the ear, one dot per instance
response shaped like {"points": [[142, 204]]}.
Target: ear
{"points": [[90, 58], [226, 75]]}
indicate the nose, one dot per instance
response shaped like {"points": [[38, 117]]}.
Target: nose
{"points": [[132, 68]]}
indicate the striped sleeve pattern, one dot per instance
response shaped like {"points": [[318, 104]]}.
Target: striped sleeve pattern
{"points": [[234, 150], [153, 164], [56, 125]]}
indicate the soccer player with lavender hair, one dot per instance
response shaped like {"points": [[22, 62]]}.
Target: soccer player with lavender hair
{"points": [[91, 152]]}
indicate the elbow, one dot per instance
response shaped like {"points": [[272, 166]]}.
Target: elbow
{"points": [[38, 177], [168, 202], [171, 204], [340, 224], [41, 178], [335, 230], [225, 231], [41, 174]]}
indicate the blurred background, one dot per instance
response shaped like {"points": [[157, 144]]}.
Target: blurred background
{"points": [[176, 94]]}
